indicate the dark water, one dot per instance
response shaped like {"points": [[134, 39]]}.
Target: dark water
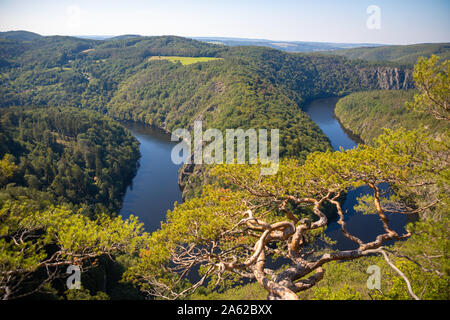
{"points": [[365, 227], [321, 111], [155, 187]]}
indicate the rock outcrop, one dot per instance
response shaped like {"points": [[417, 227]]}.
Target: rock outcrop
{"points": [[386, 78]]}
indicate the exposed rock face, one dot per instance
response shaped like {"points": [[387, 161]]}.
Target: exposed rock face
{"points": [[190, 178], [387, 78]]}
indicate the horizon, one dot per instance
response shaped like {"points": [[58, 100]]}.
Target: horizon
{"points": [[367, 22], [108, 36]]}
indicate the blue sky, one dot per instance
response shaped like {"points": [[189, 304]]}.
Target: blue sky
{"points": [[401, 22]]}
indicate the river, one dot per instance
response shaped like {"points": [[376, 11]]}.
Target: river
{"points": [[155, 187], [365, 227]]}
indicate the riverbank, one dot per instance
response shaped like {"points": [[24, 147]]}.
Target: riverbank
{"points": [[365, 227], [366, 114]]}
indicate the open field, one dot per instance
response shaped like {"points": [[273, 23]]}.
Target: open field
{"points": [[183, 60]]}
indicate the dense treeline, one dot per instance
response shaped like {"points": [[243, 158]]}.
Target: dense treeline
{"points": [[71, 71], [366, 114], [20, 35], [308, 76], [63, 174], [400, 54], [66, 156]]}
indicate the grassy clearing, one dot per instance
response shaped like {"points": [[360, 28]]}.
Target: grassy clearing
{"points": [[183, 60], [58, 69], [87, 50]]}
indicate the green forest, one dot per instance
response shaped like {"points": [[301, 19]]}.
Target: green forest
{"points": [[66, 161], [66, 155], [368, 113]]}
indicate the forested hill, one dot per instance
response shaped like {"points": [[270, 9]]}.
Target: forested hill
{"points": [[20, 35], [366, 114], [245, 87], [64, 155], [407, 54], [289, 46]]}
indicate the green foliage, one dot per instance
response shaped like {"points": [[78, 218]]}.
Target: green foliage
{"points": [[252, 291], [74, 156], [346, 280], [366, 114], [33, 240], [53, 156], [7, 169], [427, 285], [19, 35], [344, 293], [84, 294], [429, 245], [432, 79], [216, 217]]}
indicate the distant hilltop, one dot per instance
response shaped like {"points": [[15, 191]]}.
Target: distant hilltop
{"points": [[290, 46], [20, 35], [406, 54]]}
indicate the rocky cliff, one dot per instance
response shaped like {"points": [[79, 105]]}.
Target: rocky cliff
{"points": [[386, 78]]}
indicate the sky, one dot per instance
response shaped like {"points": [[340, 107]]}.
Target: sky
{"points": [[348, 21]]}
